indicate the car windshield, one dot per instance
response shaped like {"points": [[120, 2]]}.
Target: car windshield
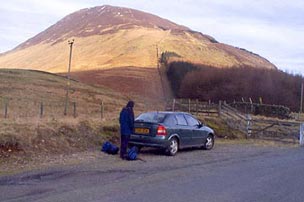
{"points": [[151, 117]]}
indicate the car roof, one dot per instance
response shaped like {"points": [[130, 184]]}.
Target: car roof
{"points": [[168, 112]]}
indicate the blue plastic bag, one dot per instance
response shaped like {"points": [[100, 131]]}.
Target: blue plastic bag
{"points": [[109, 148], [132, 153]]}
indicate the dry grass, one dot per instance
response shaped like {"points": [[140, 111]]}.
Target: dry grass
{"points": [[145, 82], [129, 47], [24, 91], [24, 132], [221, 129]]}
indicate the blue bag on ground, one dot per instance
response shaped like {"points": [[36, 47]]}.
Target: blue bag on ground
{"points": [[109, 148], [132, 153]]}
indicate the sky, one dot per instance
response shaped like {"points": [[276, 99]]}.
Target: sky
{"points": [[273, 29]]}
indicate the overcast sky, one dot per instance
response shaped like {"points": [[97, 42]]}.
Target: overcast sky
{"points": [[273, 29]]}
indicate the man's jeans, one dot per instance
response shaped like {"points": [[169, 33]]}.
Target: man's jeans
{"points": [[124, 139]]}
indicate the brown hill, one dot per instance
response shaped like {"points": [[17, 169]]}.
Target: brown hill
{"points": [[99, 21], [129, 81], [107, 37]]}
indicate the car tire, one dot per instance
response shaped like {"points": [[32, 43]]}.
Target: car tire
{"points": [[209, 143], [173, 147]]}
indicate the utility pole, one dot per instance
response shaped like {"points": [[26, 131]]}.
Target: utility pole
{"points": [[159, 71], [68, 78], [301, 104]]}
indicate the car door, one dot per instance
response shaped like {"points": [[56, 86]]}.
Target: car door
{"points": [[197, 132], [184, 131]]}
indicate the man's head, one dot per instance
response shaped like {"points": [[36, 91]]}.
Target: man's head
{"points": [[130, 104]]}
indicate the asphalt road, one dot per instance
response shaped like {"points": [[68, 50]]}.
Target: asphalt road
{"points": [[234, 173]]}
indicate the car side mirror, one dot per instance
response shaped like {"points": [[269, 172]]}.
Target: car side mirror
{"points": [[200, 125]]}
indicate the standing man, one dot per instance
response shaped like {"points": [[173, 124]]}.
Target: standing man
{"points": [[126, 120]]}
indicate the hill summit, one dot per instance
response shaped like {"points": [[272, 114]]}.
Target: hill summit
{"points": [[108, 36], [99, 21]]}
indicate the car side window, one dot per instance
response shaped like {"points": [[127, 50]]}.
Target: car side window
{"points": [[170, 120], [191, 121], [181, 120]]}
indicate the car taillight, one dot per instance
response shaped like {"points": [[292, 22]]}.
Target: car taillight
{"points": [[161, 130]]}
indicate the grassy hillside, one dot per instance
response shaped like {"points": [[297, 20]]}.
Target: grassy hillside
{"points": [[24, 131], [24, 91], [132, 80], [131, 47]]}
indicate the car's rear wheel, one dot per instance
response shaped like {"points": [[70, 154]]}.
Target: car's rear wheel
{"points": [[209, 143], [173, 147]]}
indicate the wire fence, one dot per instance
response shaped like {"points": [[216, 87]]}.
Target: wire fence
{"points": [[18, 108], [23, 108], [251, 126], [193, 106]]}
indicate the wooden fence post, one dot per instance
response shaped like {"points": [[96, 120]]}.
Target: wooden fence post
{"points": [[196, 106], [74, 110], [102, 110], [209, 107], [189, 105], [173, 105], [251, 105], [41, 109], [219, 108], [5, 109]]}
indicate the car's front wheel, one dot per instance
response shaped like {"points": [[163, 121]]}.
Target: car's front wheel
{"points": [[173, 147], [209, 143]]}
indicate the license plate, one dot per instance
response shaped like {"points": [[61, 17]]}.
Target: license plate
{"points": [[142, 130]]}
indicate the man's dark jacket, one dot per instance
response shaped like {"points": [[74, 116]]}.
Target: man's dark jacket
{"points": [[126, 120]]}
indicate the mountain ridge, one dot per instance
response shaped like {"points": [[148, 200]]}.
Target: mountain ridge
{"points": [[103, 23], [110, 37]]}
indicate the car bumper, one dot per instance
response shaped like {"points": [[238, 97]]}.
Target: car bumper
{"points": [[148, 141]]}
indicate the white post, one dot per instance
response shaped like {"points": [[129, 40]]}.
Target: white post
{"points": [[302, 134], [248, 126]]}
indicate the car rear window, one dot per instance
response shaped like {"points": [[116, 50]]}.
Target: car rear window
{"points": [[151, 117]]}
